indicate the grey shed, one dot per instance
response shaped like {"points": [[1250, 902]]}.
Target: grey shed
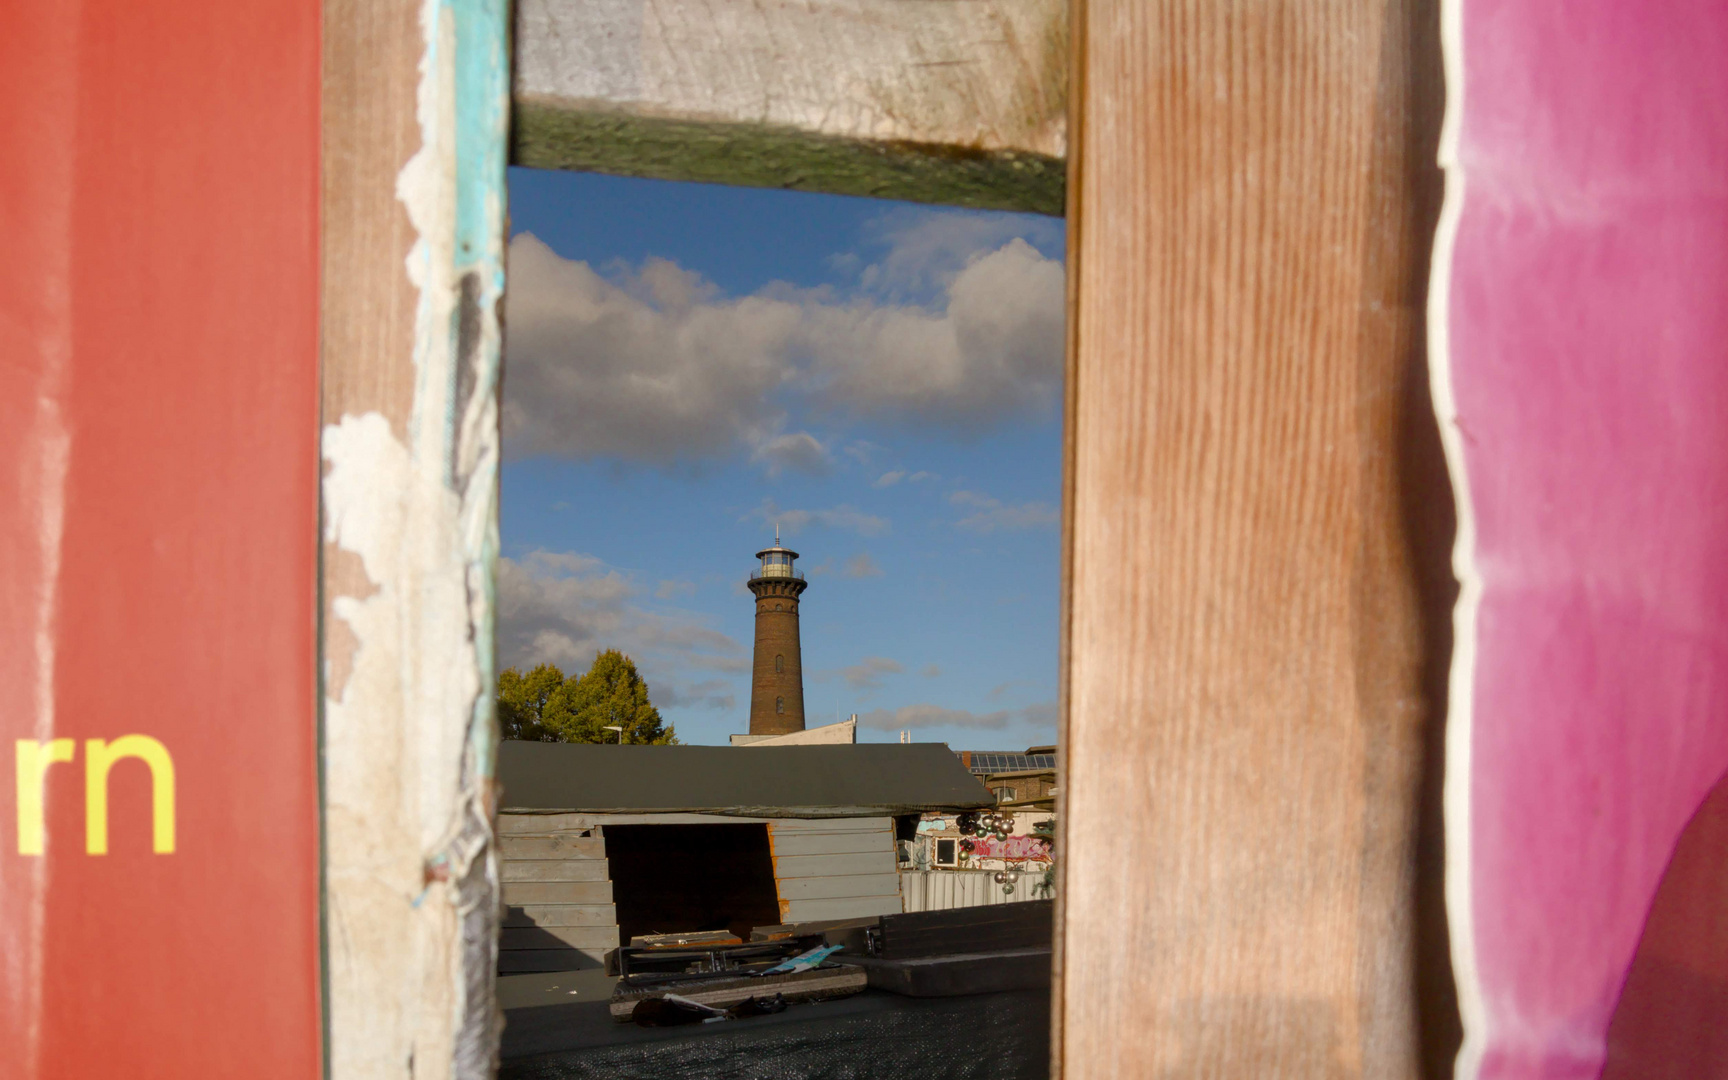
{"points": [[601, 842]]}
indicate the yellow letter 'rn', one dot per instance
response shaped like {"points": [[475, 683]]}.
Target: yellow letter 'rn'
{"points": [[100, 756], [33, 761]]}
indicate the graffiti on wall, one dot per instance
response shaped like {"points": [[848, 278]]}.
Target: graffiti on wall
{"points": [[1012, 847]]}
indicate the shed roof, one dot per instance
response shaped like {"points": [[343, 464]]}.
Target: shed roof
{"points": [[862, 780]]}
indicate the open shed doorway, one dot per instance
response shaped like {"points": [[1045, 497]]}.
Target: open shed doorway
{"points": [[669, 879]]}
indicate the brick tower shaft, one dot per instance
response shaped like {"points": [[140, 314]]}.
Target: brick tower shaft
{"points": [[777, 675]]}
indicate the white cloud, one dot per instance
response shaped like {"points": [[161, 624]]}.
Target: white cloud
{"points": [[927, 249], [989, 514], [656, 366], [670, 589], [861, 565], [862, 451], [998, 691], [707, 694], [892, 477], [844, 517], [866, 674], [797, 452], [921, 716], [563, 607], [991, 353]]}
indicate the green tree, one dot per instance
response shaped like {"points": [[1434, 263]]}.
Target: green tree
{"points": [[546, 706], [522, 702], [611, 693]]}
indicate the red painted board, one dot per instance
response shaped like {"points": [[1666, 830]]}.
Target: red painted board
{"points": [[1583, 386], [158, 482]]}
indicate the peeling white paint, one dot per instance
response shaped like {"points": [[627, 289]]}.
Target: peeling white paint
{"points": [[1461, 688], [411, 889]]}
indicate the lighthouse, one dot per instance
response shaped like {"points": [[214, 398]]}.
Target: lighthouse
{"points": [[777, 677]]}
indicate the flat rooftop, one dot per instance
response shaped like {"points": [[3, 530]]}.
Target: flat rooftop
{"points": [[839, 780]]}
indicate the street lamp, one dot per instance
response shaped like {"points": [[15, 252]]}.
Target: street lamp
{"points": [[619, 730]]}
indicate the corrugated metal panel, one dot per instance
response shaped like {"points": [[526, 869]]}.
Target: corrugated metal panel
{"points": [[939, 890]]}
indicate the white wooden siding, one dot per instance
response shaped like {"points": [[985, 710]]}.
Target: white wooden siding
{"points": [[557, 889], [558, 895], [834, 868]]}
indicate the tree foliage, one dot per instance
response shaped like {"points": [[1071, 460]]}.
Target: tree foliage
{"points": [[522, 700], [546, 706]]}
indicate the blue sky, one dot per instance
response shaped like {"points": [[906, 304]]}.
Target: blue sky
{"points": [[687, 365]]}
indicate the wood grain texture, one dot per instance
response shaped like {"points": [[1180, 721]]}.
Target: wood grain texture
{"points": [[564, 846], [1255, 585], [517, 893], [562, 915], [959, 101], [835, 888], [553, 870], [850, 907], [813, 843], [590, 938]]}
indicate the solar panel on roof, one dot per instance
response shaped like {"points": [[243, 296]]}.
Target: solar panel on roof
{"points": [[983, 762]]}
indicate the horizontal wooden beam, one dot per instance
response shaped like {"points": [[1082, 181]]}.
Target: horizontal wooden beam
{"points": [[960, 102]]}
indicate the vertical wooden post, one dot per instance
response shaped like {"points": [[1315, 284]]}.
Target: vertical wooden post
{"points": [[1257, 532], [415, 123]]}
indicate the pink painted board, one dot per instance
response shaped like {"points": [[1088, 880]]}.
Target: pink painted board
{"points": [[1581, 375]]}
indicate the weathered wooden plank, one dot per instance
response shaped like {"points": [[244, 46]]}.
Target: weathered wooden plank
{"points": [[1255, 583], [814, 843], [559, 846], [781, 826], [843, 908], [802, 866], [553, 869], [951, 101], [829, 888], [557, 892], [520, 824], [561, 915], [544, 824], [554, 937], [522, 961], [415, 128]]}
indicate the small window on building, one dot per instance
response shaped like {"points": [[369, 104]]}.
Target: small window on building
{"points": [[776, 607], [944, 853], [779, 664], [779, 704]]}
